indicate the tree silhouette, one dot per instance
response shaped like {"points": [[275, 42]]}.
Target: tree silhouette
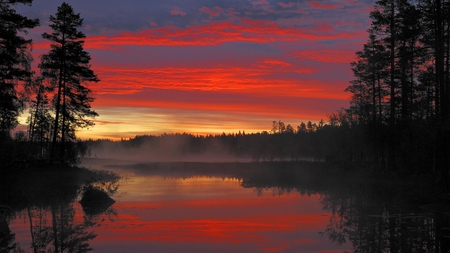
{"points": [[15, 61], [40, 119], [401, 90], [67, 66]]}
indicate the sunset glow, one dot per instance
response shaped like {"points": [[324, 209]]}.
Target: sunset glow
{"points": [[213, 67]]}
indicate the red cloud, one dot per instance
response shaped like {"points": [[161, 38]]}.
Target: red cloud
{"points": [[273, 62], [177, 12], [319, 5], [284, 5], [260, 2], [256, 31], [326, 55], [210, 12], [230, 79]]}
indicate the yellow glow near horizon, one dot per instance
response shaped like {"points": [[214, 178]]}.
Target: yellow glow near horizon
{"points": [[124, 122]]}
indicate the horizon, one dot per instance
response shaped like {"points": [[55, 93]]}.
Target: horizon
{"points": [[208, 67]]}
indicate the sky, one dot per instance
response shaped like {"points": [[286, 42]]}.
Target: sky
{"points": [[212, 66]]}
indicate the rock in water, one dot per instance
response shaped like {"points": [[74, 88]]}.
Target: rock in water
{"points": [[95, 201]]}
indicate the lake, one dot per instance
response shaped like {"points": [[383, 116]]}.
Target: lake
{"points": [[232, 207]]}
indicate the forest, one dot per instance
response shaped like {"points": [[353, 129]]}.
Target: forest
{"points": [[397, 122]]}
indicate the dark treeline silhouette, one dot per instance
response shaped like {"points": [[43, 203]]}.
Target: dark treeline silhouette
{"points": [[324, 142], [58, 99], [401, 91]]}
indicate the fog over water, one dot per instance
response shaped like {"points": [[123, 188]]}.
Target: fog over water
{"points": [[166, 150], [220, 148]]}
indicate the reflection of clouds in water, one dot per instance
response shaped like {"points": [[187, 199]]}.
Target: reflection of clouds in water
{"points": [[190, 205]]}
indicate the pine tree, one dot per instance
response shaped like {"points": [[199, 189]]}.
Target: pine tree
{"points": [[67, 66], [368, 88], [15, 61]]}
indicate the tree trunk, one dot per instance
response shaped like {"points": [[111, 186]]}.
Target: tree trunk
{"points": [[392, 142]]}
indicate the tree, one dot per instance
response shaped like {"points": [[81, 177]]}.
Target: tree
{"points": [[15, 61], [278, 127], [436, 37], [302, 128], [402, 83], [40, 119], [68, 69], [368, 88]]}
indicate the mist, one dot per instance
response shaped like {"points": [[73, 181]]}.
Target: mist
{"points": [[166, 148]]}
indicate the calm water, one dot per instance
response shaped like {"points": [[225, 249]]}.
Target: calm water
{"points": [[227, 208]]}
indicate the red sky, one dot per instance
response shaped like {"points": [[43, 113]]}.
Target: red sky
{"points": [[213, 66]]}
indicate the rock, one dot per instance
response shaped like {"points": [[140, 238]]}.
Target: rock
{"points": [[95, 201]]}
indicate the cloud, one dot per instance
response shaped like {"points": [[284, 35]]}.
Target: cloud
{"points": [[319, 5], [177, 12], [288, 5], [130, 81], [325, 55], [211, 12], [104, 122], [273, 62], [260, 2], [347, 1], [216, 33]]}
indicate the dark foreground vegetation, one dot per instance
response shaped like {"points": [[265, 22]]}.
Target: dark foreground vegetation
{"points": [[46, 196]]}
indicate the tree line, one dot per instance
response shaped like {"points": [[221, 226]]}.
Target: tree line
{"points": [[328, 141], [401, 87], [402, 72], [58, 99]]}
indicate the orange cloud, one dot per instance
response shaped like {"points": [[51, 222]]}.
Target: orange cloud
{"points": [[104, 122], [130, 81], [276, 102]]}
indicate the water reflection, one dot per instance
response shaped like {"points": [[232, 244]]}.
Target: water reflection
{"points": [[238, 207], [44, 199], [388, 217], [371, 214]]}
